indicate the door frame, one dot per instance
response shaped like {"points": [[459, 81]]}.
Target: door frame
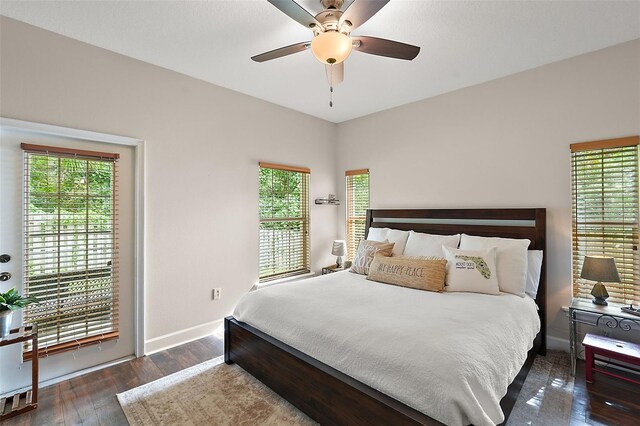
{"points": [[139, 207]]}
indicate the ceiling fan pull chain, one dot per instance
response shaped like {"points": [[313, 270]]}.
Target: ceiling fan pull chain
{"points": [[331, 86]]}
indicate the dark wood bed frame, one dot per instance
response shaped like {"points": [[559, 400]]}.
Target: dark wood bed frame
{"points": [[331, 397]]}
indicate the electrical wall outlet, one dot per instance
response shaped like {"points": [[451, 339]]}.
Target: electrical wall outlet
{"points": [[216, 294]]}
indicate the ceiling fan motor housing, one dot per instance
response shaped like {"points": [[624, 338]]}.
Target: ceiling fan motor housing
{"points": [[332, 4], [330, 21], [331, 43]]}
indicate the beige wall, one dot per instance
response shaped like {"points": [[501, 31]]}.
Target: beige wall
{"points": [[504, 143], [203, 143]]}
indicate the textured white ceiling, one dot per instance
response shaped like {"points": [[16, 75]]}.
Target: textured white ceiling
{"points": [[463, 43]]}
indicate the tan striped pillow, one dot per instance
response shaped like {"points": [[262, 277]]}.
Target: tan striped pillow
{"points": [[412, 272], [366, 251]]}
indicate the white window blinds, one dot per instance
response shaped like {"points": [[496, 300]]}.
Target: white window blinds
{"points": [[70, 246], [284, 221], [605, 213], [357, 205]]}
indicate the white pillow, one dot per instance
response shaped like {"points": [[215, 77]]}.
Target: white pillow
{"points": [[511, 260], [377, 234], [534, 258], [399, 238], [471, 270], [420, 244]]}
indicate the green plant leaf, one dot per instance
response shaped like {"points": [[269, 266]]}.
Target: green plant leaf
{"points": [[11, 300]]}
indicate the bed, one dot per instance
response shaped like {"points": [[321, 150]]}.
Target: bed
{"points": [[318, 385]]}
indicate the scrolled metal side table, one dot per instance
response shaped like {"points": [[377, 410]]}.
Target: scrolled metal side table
{"points": [[583, 311]]}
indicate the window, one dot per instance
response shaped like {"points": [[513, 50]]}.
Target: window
{"points": [[357, 205], [70, 246], [605, 213], [284, 221]]}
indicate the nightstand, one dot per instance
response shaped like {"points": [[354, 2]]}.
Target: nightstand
{"points": [[333, 268], [582, 311]]}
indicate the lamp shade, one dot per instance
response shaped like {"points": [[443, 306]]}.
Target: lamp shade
{"points": [[331, 47], [339, 248], [600, 268]]}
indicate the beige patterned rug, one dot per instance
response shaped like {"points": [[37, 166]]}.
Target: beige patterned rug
{"points": [[213, 393]]}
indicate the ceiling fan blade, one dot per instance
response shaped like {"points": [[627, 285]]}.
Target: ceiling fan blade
{"points": [[346, 4], [360, 11], [296, 12], [335, 73], [283, 51], [384, 47]]}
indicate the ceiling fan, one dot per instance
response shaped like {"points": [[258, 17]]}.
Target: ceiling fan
{"points": [[332, 41]]}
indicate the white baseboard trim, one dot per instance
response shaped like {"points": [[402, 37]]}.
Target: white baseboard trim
{"points": [[176, 338], [69, 376], [557, 344]]}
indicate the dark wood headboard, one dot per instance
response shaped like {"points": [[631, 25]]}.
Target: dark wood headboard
{"points": [[506, 223]]}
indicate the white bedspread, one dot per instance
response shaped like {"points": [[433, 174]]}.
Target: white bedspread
{"points": [[448, 355]]}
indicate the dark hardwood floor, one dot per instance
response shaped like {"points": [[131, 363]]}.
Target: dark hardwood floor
{"points": [[91, 399], [606, 401]]}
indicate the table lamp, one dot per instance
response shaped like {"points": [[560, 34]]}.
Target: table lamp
{"points": [[339, 249], [600, 268]]}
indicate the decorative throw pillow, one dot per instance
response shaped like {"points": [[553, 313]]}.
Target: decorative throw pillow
{"points": [[534, 258], [420, 244], [412, 272], [471, 270], [511, 260], [396, 236], [366, 251]]}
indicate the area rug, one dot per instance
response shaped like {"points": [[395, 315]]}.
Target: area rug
{"points": [[547, 394], [211, 393], [214, 393]]}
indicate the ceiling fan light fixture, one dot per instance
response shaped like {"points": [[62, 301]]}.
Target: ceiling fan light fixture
{"points": [[331, 47]]}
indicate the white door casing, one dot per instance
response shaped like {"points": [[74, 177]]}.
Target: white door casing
{"points": [[131, 237]]}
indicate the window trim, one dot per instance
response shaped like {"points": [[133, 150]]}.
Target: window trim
{"points": [[69, 151], [284, 167], [606, 143]]}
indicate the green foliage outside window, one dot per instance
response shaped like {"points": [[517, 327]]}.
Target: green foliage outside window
{"points": [[70, 246], [357, 205], [606, 217], [70, 196], [283, 205]]}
